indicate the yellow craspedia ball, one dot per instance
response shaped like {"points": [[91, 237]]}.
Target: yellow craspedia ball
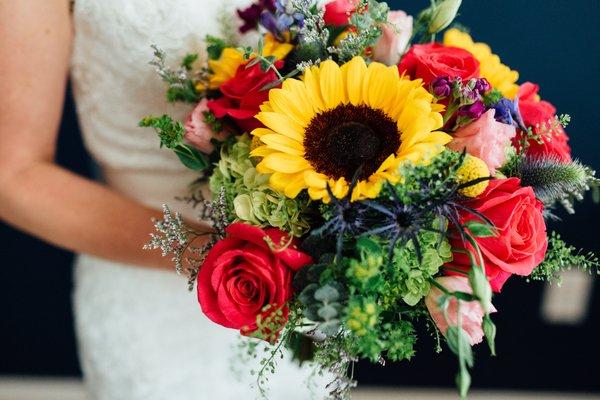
{"points": [[473, 168]]}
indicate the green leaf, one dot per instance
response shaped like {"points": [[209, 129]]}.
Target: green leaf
{"points": [[327, 294], [191, 158], [481, 230], [312, 312], [463, 381], [489, 329], [214, 47], [458, 342], [188, 60]]}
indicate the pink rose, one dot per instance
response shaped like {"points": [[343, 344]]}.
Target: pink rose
{"points": [[395, 38], [198, 133], [485, 138], [471, 312]]}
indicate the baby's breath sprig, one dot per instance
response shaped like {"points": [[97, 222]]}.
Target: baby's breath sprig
{"points": [[181, 80]]}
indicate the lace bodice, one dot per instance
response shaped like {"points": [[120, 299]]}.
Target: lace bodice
{"points": [[114, 85]]}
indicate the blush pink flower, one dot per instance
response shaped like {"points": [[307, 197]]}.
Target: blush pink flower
{"points": [[471, 313], [394, 39], [198, 133], [485, 138]]}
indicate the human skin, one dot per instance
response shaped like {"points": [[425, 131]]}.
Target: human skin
{"points": [[36, 195]]}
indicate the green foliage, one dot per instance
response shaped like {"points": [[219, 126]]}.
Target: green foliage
{"points": [[560, 257], [551, 179], [365, 272], [409, 279], [215, 46], [400, 338], [181, 86], [188, 61], [171, 134], [366, 30], [249, 197]]}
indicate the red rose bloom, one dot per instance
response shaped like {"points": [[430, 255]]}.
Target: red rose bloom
{"points": [[521, 240], [433, 60], [242, 95], [338, 12], [539, 115], [241, 275]]}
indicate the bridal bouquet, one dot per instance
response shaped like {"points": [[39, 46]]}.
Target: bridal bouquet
{"points": [[367, 180]]}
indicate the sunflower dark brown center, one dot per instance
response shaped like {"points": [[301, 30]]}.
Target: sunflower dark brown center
{"points": [[339, 141]]}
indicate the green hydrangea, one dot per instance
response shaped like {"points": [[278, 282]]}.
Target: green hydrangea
{"points": [[249, 197], [411, 276]]}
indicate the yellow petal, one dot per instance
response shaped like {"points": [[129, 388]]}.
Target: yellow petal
{"points": [[332, 85], [315, 180], [282, 124], [283, 144], [284, 102], [354, 72], [313, 91], [294, 186], [285, 163]]}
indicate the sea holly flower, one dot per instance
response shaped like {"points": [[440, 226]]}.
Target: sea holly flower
{"points": [[322, 129]]}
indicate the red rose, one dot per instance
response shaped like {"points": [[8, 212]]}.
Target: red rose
{"points": [[242, 95], [541, 117], [338, 12], [521, 240], [430, 61], [242, 275]]}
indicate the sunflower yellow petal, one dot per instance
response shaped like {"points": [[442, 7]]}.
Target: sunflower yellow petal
{"points": [[311, 81], [332, 85], [283, 144], [354, 72], [285, 163], [282, 124], [315, 180]]}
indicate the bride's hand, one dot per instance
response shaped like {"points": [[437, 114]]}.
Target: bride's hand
{"points": [[36, 195]]}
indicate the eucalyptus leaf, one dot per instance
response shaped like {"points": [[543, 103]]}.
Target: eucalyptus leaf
{"points": [[327, 312], [327, 294]]}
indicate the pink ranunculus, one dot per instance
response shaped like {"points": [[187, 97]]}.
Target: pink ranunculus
{"points": [[198, 133], [471, 313], [395, 38], [485, 138]]}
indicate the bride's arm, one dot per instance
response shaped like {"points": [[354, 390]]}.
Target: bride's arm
{"points": [[36, 195]]}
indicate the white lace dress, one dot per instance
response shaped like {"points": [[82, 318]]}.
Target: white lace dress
{"points": [[141, 334]]}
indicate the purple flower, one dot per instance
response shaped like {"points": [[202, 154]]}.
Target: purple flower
{"points": [[507, 112], [482, 86], [441, 87], [472, 111], [251, 15], [281, 19]]}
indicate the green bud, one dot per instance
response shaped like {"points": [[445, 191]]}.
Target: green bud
{"points": [[443, 15], [489, 329], [481, 288]]}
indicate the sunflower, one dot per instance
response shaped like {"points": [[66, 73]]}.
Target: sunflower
{"points": [[224, 68], [341, 122], [500, 76]]}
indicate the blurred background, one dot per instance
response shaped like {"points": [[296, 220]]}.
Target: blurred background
{"points": [[546, 337]]}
